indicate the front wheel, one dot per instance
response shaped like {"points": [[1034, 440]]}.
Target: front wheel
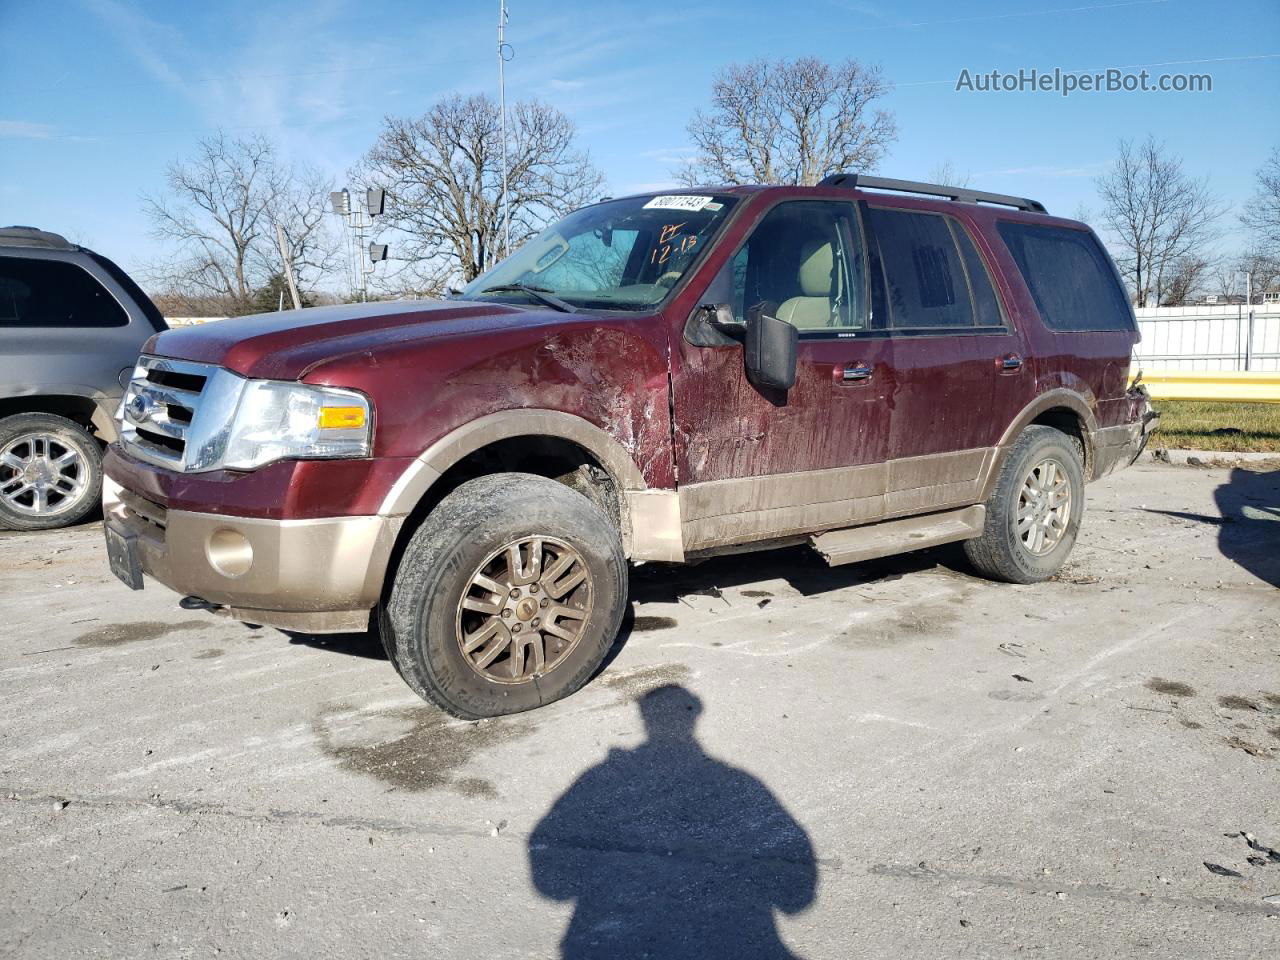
{"points": [[508, 596], [1034, 513], [50, 472]]}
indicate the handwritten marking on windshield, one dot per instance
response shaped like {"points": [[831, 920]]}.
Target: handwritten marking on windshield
{"points": [[669, 231]]}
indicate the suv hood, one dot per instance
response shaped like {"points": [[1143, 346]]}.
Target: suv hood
{"points": [[289, 344]]}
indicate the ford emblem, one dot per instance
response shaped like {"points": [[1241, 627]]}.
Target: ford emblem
{"points": [[140, 407]]}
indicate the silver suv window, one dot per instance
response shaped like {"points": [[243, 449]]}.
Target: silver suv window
{"points": [[53, 293]]}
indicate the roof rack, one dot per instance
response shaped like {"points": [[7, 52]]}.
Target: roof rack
{"points": [[963, 194], [33, 237]]}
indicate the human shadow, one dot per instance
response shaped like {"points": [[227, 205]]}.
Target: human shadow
{"points": [[1248, 521], [668, 852], [1250, 501]]}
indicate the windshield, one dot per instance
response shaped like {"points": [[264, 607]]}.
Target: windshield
{"points": [[617, 255]]}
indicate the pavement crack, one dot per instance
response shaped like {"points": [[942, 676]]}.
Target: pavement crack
{"points": [[1092, 891], [271, 815]]}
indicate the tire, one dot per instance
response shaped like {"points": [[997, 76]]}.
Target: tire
{"points": [[1002, 552], [50, 472], [536, 653]]}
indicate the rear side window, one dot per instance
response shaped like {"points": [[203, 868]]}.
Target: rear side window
{"points": [[1072, 281], [932, 275], [924, 281], [53, 293], [986, 307], [132, 289]]}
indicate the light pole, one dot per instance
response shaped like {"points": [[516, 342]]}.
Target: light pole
{"points": [[358, 219], [505, 52]]}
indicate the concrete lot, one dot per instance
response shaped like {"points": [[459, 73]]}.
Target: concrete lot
{"points": [[893, 759]]}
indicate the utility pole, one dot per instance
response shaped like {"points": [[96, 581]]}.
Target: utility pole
{"points": [[288, 268], [503, 49], [1248, 302]]}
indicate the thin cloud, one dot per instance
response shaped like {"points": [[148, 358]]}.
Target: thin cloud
{"points": [[671, 156], [891, 23], [143, 38], [23, 130], [1085, 170], [650, 187]]}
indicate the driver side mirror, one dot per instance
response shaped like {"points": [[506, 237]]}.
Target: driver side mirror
{"points": [[770, 348]]}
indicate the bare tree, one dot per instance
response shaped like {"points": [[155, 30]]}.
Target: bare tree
{"points": [[947, 174], [221, 210], [444, 176], [1187, 275], [1156, 214], [299, 205], [789, 122], [1226, 279], [1259, 271], [1262, 215]]}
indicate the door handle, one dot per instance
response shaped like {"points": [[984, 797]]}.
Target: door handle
{"points": [[855, 373], [1010, 363]]}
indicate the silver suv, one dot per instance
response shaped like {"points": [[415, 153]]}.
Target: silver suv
{"points": [[72, 324]]}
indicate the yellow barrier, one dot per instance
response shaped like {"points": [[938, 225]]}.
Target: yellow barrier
{"points": [[1213, 386]]}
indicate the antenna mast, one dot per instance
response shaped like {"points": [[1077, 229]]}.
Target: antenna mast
{"points": [[503, 50]]}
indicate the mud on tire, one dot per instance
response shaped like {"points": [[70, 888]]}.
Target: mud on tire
{"points": [[481, 631], [1042, 467]]}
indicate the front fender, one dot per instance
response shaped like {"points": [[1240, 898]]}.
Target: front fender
{"points": [[650, 521]]}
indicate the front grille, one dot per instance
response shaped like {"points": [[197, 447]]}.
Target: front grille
{"points": [[160, 409], [186, 382]]}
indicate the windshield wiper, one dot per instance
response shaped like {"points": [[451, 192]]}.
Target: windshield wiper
{"points": [[541, 294]]}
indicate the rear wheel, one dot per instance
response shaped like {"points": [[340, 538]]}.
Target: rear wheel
{"points": [[507, 597], [1034, 513], [50, 472]]}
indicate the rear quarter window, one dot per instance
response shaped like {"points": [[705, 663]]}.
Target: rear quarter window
{"points": [[1070, 277], [923, 276], [54, 293]]}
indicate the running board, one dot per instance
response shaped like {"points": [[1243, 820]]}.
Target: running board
{"points": [[899, 536]]}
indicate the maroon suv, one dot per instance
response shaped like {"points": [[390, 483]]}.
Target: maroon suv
{"points": [[652, 378]]}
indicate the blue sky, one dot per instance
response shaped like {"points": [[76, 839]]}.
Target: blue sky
{"points": [[97, 96]]}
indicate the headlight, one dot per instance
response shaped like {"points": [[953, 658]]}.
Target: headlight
{"points": [[278, 421], [196, 418]]}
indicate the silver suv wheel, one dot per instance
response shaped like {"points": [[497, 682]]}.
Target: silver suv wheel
{"points": [[42, 475], [50, 472]]}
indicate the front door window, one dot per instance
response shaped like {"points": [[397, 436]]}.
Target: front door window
{"points": [[802, 261]]}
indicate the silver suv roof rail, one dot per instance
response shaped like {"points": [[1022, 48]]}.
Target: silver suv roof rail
{"points": [[855, 181], [33, 237]]}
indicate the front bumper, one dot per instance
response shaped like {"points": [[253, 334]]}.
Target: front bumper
{"points": [[317, 575]]}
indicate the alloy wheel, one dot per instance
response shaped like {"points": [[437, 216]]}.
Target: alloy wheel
{"points": [[524, 609], [1044, 507], [42, 475]]}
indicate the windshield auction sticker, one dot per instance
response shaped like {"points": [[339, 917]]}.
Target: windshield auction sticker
{"points": [[677, 202]]}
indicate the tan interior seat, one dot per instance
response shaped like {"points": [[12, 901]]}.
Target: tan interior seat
{"points": [[814, 308]]}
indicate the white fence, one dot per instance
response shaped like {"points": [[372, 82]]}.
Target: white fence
{"points": [[1209, 338], [190, 321]]}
